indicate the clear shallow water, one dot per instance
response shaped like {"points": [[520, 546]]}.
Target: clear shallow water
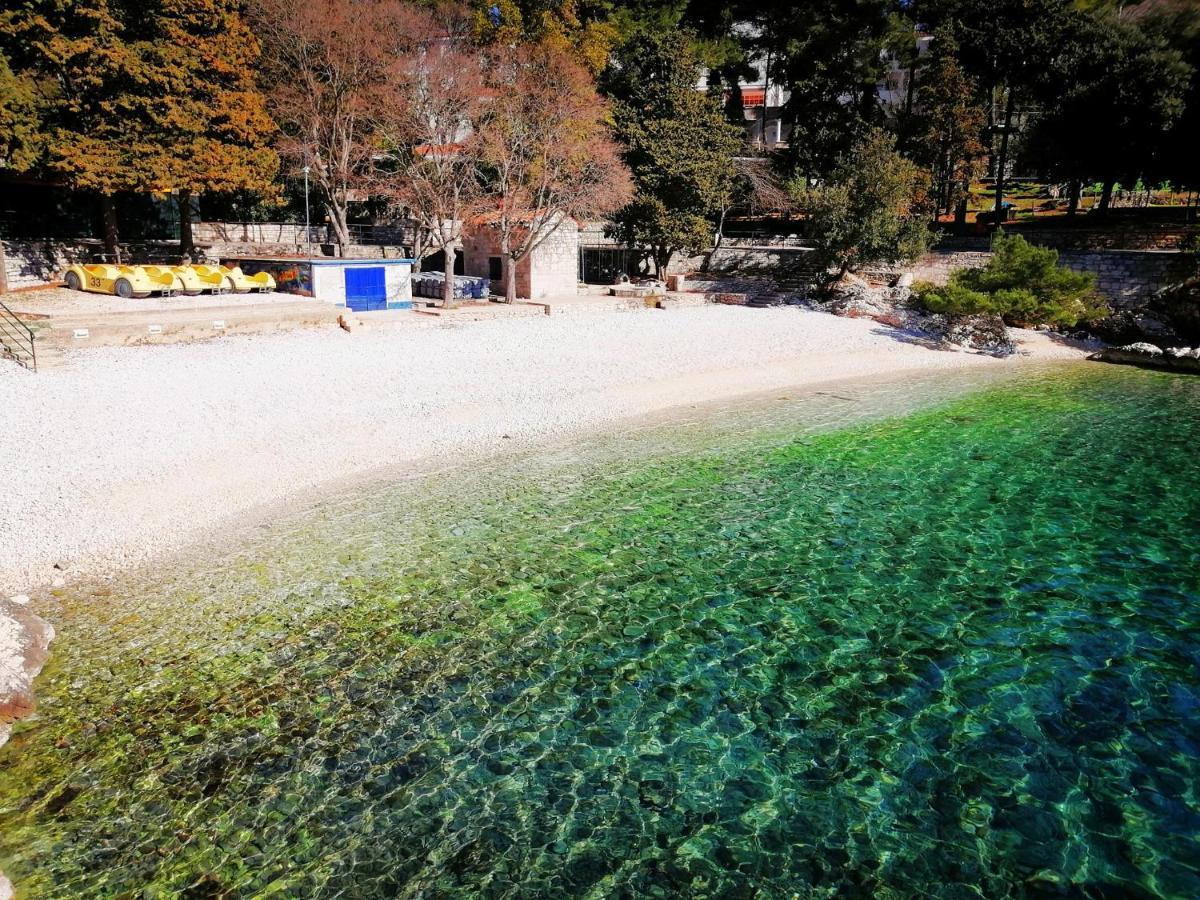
{"points": [[953, 652]]}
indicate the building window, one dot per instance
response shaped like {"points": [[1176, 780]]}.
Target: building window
{"points": [[495, 268]]}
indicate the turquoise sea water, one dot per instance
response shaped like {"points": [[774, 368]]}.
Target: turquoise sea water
{"points": [[933, 639]]}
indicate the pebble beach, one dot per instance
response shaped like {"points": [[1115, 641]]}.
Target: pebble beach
{"points": [[129, 452]]}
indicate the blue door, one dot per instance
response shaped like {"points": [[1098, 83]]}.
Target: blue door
{"points": [[366, 289]]}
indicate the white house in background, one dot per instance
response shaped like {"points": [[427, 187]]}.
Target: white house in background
{"points": [[893, 89], [763, 101]]}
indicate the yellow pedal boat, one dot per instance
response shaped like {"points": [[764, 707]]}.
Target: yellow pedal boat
{"points": [[238, 281], [124, 281]]}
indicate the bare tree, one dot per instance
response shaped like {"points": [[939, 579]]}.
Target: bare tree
{"points": [[325, 67], [546, 150], [757, 189], [427, 133]]}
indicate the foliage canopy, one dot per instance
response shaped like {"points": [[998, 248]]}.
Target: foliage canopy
{"points": [[874, 209], [678, 144]]}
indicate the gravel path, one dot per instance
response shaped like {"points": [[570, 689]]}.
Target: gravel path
{"points": [[127, 452]]}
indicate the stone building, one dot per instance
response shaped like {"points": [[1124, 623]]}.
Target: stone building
{"points": [[550, 270]]}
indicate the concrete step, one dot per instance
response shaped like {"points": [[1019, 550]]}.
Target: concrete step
{"points": [[476, 311], [179, 326], [49, 356]]}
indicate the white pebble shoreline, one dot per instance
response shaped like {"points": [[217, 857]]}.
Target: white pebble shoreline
{"points": [[128, 452]]}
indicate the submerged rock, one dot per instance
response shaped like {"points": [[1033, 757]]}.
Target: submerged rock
{"points": [[24, 648]]}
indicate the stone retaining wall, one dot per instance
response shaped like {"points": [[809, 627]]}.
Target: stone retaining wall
{"points": [[33, 263], [1146, 237], [318, 251], [292, 234]]}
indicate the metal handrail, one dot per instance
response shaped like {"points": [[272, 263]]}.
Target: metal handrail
{"points": [[22, 333]]}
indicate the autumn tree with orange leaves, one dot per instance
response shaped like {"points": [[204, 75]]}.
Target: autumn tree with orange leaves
{"points": [[546, 150], [76, 56], [138, 97], [207, 124]]}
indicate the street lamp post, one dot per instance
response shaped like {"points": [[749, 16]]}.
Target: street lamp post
{"points": [[307, 227]]}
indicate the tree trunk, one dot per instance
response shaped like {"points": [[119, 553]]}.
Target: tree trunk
{"points": [[448, 253], [108, 211], [1073, 189], [187, 247], [910, 90], [419, 248], [718, 240], [1002, 159], [960, 210], [766, 97], [337, 221], [946, 184], [1106, 196], [510, 279], [3, 271]]}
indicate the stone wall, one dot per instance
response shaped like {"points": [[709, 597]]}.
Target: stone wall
{"points": [[481, 245], [764, 256], [303, 251], [1143, 237], [1127, 278], [257, 233], [591, 234], [292, 234], [552, 270], [741, 258], [32, 263], [555, 264]]}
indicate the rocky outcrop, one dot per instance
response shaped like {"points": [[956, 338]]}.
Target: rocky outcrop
{"points": [[24, 648], [1171, 318], [857, 298], [1173, 359], [987, 334], [893, 306]]}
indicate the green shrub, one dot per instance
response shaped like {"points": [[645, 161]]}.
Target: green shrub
{"points": [[1023, 284], [875, 208]]}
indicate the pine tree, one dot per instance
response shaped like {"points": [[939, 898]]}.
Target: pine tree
{"points": [[1007, 46], [1114, 94], [829, 57], [948, 126], [873, 209]]}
